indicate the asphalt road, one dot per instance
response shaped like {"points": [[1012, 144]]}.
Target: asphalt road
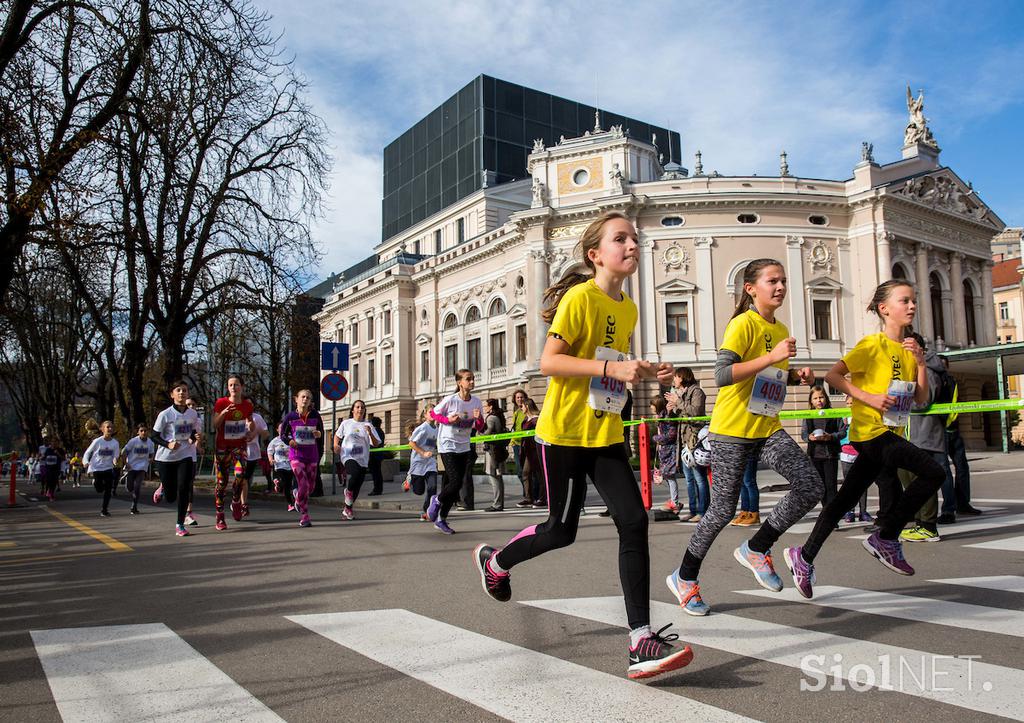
{"points": [[382, 618]]}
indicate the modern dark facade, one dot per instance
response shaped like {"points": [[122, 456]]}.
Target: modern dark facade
{"points": [[482, 134]]}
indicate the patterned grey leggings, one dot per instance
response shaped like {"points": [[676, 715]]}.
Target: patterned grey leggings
{"points": [[729, 460]]}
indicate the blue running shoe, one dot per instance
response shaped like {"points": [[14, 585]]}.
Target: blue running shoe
{"points": [[434, 509], [687, 592], [760, 565], [442, 527]]}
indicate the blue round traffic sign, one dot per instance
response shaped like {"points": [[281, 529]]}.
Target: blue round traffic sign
{"points": [[334, 387]]}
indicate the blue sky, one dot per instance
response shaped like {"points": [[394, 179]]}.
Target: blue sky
{"points": [[739, 81]]}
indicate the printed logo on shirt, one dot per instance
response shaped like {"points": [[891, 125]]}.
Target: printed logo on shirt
{"points": [[105, 452], [897, 367], [609, 330], [767, 343]]}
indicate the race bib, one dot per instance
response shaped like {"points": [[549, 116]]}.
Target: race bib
{"points": [[234, 430], [105, 452], [182, 432], [281, 455], [304, 435], [768, 393], [899, 413], [52, 461], [140, 452], [607, 394]]}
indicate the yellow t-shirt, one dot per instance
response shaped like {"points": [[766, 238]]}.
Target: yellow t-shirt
{"points": [[586, 319], [749, 336], [873, 363]]}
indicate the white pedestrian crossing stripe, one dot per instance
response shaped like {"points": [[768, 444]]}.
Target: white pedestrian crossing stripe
{"points": [[966, 683], [1011, 544], [505, 679], [979, 524], [138, 672], [1006, 583], [907, 607]]}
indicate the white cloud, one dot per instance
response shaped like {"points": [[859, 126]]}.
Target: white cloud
{"points": [[741, 83]]}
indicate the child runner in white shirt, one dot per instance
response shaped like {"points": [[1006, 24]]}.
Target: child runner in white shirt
{"points": [[138, 453], [99, 460]]}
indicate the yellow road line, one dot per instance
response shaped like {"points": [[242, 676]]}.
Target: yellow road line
{"points": [[94, 534]]}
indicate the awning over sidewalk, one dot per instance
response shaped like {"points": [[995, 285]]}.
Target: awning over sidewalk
{"points": [[999, 362]]}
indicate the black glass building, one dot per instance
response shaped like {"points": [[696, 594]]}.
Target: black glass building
{"points": [[489, 125]]}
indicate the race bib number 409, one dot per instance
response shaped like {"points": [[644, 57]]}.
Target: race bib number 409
{"points": [[899, 413], [607, 394], [768, 394]]}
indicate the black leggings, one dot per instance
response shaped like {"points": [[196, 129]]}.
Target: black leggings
{"points": [[829, 470], [456, 466], [285, 478], [104, 482], [355, 473], [176, 478], [887, 451], [565, 474]]}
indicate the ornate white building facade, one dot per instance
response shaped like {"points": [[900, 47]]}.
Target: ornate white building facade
{"points": [[463, 288]]}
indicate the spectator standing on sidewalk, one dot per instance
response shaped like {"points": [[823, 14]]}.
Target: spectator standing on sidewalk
{"points": [[495, 453], [956, 492]]}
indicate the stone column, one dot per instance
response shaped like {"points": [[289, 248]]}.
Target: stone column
{"points": [[956, 275], [849, 331], [646, 302], [883, 242], [924, 295], [404, 360], [987, 328], [796, 294], [538, 330], [707, 348], [947, 313]]}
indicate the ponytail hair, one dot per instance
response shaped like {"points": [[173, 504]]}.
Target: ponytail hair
{"points": [[883, 291], [589, 239], [750, 273]]}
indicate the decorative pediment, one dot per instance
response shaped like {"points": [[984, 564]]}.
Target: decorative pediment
{"points": [[517, 311], [386, 344], [423, 339], [676, 287], [944, 191], [823, 283]]}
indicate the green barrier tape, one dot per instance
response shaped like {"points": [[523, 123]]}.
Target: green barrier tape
{"points": [[988, 405]]}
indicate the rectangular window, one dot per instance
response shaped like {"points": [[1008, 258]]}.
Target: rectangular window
{"points": [[822, 319], [416, 247], [1004, 311], [371, 373], [424, 365], [437, 241], [369, 328], [387, 322], [677, 325], [498, 349], [387, 422], [521, 342], [355, 333], [451, 360], [387, 369], [339, 335], [460, 230], [355, 377], [473, 355]]}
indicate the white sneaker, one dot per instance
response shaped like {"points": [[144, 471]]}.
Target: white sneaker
{"points": [[347, 513], [191, 521]]}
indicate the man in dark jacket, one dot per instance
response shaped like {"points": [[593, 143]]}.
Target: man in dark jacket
{"points": [[928, 432]]}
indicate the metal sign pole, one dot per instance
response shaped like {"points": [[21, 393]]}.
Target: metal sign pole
{"points": [[334, 460]]}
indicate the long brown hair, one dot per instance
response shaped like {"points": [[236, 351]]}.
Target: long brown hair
{"points": [[590, 238], [750, 273]]}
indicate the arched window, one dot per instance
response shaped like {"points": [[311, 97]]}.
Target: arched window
{"points": [[497, 308], [972, 329], [473, 314], [899, 272], [450, 322], [938, 318]]}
